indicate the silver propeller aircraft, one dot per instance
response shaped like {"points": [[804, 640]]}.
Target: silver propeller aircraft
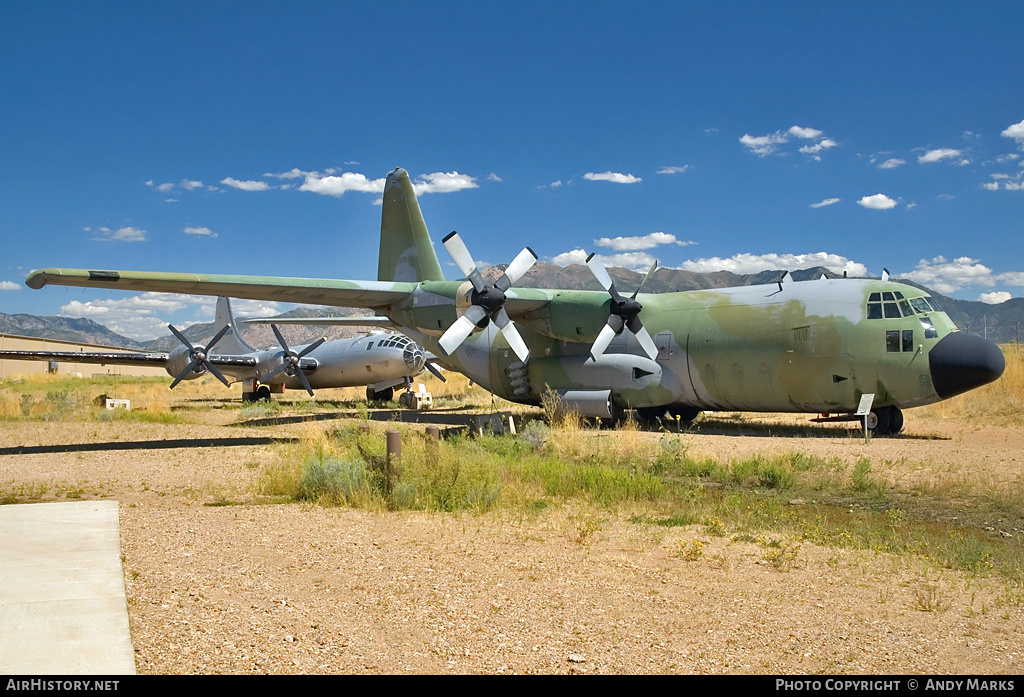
{"points": [[380, 360], [812, 347]]}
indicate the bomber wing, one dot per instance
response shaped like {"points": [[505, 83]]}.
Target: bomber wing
{"points": [[313, 291], [115, 358], [100, 358]]}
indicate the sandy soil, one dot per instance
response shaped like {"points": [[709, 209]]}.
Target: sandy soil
{"points": [[304, 589]]}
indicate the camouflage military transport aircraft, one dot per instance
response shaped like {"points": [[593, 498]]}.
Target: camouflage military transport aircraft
{"points": [[381, 361], [813, 346]]}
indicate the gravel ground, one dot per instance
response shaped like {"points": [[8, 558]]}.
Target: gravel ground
{"points": [[251, 588]]}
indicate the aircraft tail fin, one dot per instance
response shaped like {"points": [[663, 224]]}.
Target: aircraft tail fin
{"points": [[406, 251], [232, 342]]}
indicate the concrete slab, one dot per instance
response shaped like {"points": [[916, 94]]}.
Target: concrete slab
{"points": [[63, 609]]}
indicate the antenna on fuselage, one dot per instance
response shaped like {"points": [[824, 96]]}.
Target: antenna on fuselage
{"points": [[885, 274]]}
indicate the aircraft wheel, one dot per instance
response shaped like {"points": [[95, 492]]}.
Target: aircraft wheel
{"points": [[686, 414], [263, 393], [385, 395], [405, 400], [870, 421], [650, 415], [616, 417], [895, 420], [881, 426]]}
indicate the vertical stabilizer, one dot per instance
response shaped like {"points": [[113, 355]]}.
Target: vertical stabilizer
{"points": [[406, 252], [232, 342]]}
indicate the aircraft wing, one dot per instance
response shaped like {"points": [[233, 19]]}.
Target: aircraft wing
{"points": [[116, 358], [310, 291], [325, 321], [100, 358]]}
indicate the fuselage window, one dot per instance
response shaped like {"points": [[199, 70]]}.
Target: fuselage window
{"points": [[369, 345], [929, 328], [892, 341], [908, 339]]}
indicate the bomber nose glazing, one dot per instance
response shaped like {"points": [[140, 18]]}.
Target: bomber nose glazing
{"points": [[961, 362]]}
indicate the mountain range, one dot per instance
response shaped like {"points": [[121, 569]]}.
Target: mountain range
{"points": [[1001, 322]]}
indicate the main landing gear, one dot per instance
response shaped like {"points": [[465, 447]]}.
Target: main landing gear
{"points": [[884, 421]]}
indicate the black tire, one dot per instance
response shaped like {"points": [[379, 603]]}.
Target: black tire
{"points": [[263, 393], [385, 395], [895, 420], [882, 427], [650, 415], [686, 414]]}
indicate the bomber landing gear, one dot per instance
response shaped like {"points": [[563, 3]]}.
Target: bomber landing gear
{"points": [[385, 395], [884, 421]]}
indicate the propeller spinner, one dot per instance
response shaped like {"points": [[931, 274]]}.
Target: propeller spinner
{"points": [[199, 355], [625, 312], [290, 360], [487, 300]]}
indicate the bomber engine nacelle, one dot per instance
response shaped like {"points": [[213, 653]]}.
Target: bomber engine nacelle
{"points": [[178, 359]]}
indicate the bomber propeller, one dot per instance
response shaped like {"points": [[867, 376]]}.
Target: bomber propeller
{"points": [[487, 300], [199, 355], [625, 312], [290, 360]]}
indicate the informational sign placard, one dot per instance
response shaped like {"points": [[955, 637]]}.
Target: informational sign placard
{"points": [[865, 404]]}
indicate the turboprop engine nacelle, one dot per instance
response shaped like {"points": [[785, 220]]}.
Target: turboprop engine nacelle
{"points": [[178, 359]]}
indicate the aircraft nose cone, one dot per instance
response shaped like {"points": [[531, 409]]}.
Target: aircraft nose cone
{"points": [[961, 362]]}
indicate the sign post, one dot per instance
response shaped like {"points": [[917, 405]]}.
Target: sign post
{"points": [[864, 412]]}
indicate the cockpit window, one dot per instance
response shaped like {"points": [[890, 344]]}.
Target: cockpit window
{"points": [[893, 305]]}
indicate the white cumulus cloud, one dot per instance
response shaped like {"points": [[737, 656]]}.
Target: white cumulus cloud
{"points": [[938, 155], [616, 177], [826, 202], [125, 234], [878, 202], [622, 244], [763, 145], [442, 183], [245, 185], [673, 169], [200, 232], [1016, 131], [9, 285], [994, 298], [755, 263], [892, 163], [950, 276]]}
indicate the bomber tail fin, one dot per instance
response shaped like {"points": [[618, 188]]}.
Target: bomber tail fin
{"points": [[232, 341], [406, 252]]}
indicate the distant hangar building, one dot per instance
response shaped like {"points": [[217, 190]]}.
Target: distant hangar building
{"points": [[13, 368]]}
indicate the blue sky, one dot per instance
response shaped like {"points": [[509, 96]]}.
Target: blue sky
{"points": [[249, 137]]}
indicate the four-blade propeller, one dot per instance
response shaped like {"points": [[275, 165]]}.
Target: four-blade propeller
{"points": [[625, 312], [199, 355], [487, 300], [290, 360]]}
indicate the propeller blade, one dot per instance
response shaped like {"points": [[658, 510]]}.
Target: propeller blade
{"points": [[650, 272], [644, 337], [435, 371], [217, 337], [600, 273], [280, 338], [515, 341], [213, 369], [602, 341], [463, 259], [523, 262], [188, 369], [311, 347], [457, 333], [304, 380], [181, 337]]}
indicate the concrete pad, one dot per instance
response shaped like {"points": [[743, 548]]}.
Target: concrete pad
{"points": [[63, 609]]}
